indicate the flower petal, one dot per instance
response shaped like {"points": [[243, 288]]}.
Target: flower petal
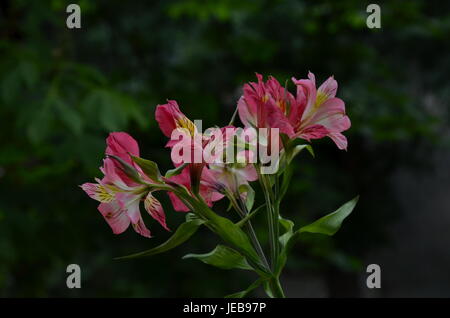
{"points": [[313, 132], [331, 114], [328, 88], [170, 117], [154, 208], [276, 119], [340, 140], [115, 216], [140, 228], [247, 112], [98, 192], [306, 94], [120, 144]]}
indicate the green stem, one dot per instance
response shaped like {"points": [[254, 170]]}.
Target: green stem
{"points": [[256, 244], [241, 208], [272, 219], [275, 288]]}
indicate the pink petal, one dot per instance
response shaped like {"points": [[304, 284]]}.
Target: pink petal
{"points": [[115, 216], [164, 115], [313, 132], [328, 88], [140, 228], [170, 117], [276, 119], [306, 93], [120, 144], [129, 202], [247, 112], [340, 140], [249, 173], [154, 208], [98, 192], [115, 175], [331, 114]]}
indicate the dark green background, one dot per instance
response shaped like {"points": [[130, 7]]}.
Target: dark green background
{"points": [[62, 91]]}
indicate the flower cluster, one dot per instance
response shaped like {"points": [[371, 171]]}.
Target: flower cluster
{"points": [[222, 162]]}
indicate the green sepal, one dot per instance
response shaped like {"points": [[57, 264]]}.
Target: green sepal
{"points": [[149, 167]]}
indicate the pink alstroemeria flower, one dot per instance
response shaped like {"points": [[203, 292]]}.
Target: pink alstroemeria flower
{"points": [[264, 105], [312, 114], [119, 196], [214, 178], [170, 118], [320, 112]]}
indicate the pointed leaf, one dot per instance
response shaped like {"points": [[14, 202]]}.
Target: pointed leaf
{"points": [[288, 225], [181, 235], [176, 171], [331, 223], [244, 293], [223, 257], [328, 225]]}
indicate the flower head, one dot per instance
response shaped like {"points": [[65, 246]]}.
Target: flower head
{"points": [[118, 194], [311, 114], [320, 113]]}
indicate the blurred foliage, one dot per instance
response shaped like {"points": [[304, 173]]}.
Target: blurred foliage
{"points": [[62, 91]]}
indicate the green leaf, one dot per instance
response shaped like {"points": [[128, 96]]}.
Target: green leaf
{"points": [[176, 171], [331, 223], [181, 235], [223, 257], [233, 234], [128, 169], [149, 167], [228, 231], [328, 225], [244, 293], [288, 225], [284, 239]]}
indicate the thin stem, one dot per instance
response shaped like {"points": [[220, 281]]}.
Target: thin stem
{"points": [[241, 208], [252, 234], [233, 117], [272, 219]]}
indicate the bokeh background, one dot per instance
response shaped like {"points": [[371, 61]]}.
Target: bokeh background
{"points": [[62, 91]]}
